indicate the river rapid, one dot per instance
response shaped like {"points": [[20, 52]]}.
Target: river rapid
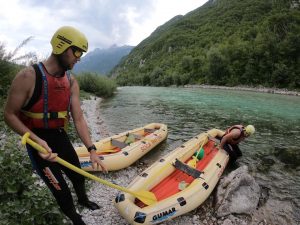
{"points": [[272, 153]]}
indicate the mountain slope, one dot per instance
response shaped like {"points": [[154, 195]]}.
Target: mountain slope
{"points": [[101, 61], [224, 42]]}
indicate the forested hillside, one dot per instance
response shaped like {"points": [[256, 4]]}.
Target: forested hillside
{"points": [[224, 42]]}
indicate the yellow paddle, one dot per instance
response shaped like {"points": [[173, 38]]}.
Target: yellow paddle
{"points": [[145, 196], [194, 160]]}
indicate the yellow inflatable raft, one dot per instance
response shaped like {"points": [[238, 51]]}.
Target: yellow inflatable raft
{"points": [[121, 150], [179, 181]]}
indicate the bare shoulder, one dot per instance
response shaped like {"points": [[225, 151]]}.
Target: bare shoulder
{"points": [[235, 133], [25, 76], [21, 89], [24, 82]]}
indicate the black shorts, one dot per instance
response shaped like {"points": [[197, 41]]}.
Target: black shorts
{"points": [[233, 151]]}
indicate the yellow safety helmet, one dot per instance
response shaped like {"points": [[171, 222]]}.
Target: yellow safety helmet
{"points": [[249, 130], [68, 36]]}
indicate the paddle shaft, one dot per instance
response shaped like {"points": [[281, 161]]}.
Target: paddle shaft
{"points": [[199, 150], [78, 170], [193, 162]]}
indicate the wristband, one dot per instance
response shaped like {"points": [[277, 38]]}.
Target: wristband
{"points": [[92, 147]]}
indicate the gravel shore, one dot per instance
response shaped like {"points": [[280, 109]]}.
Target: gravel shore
{"points": [[101, 194]]}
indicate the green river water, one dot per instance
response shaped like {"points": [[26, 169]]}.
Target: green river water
{"points": [[272, 154]]}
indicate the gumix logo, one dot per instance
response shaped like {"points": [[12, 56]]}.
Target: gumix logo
{"points": [[52, 180], [164, 215]]}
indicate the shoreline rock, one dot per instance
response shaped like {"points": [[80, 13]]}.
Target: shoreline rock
{"points": [[237, 193]]}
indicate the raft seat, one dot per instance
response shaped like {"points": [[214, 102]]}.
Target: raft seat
{"points": [[148, 131], [187, 169], [137, 136], [118, 144]]}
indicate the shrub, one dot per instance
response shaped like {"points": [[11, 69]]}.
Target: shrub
{"points": [[98, 85], [22, 199], [9, 66]]}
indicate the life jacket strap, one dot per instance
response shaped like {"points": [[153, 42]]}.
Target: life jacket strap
{"points": [[50, 115]]}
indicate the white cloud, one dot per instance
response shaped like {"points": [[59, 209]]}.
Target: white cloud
{"points": [[105, 22]]}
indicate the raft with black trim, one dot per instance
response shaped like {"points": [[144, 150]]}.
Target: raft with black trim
{"points": [[178, 187], [121, 150]]}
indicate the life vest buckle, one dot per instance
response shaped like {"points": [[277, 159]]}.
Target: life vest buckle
{"points": [[53, 115]]}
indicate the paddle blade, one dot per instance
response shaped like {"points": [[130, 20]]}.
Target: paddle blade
{"points": [[196, 157], [201, 154], [193, 162], [146, 197]]}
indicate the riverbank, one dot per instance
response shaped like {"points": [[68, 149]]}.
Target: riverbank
{"points": [[252, 89], [277, 206]]}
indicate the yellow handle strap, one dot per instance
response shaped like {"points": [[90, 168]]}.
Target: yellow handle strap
{"points": [[60, 115]]}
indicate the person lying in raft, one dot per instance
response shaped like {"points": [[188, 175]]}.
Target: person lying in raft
{"points": [[232, 137]]}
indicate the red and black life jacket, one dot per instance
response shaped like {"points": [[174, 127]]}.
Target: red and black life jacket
{"points": [[49, 105]]}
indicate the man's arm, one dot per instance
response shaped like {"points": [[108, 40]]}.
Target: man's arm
{"points": [[224, 140], [19, 94], [81, 125]]}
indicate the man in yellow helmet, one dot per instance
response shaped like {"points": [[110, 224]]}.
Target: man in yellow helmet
{"points": [[232, 137], [40, 100]]}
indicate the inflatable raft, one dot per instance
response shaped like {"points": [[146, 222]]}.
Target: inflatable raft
{"points": [[121, 150], [179, 181]]}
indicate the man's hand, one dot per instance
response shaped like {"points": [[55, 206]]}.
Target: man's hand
{"points": [[96, 162], [50, 156]]}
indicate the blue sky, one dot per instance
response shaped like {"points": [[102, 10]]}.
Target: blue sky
{"points": [[104, 22]]}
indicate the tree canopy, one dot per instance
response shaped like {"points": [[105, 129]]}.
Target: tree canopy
{"points": [[224, 42]]}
